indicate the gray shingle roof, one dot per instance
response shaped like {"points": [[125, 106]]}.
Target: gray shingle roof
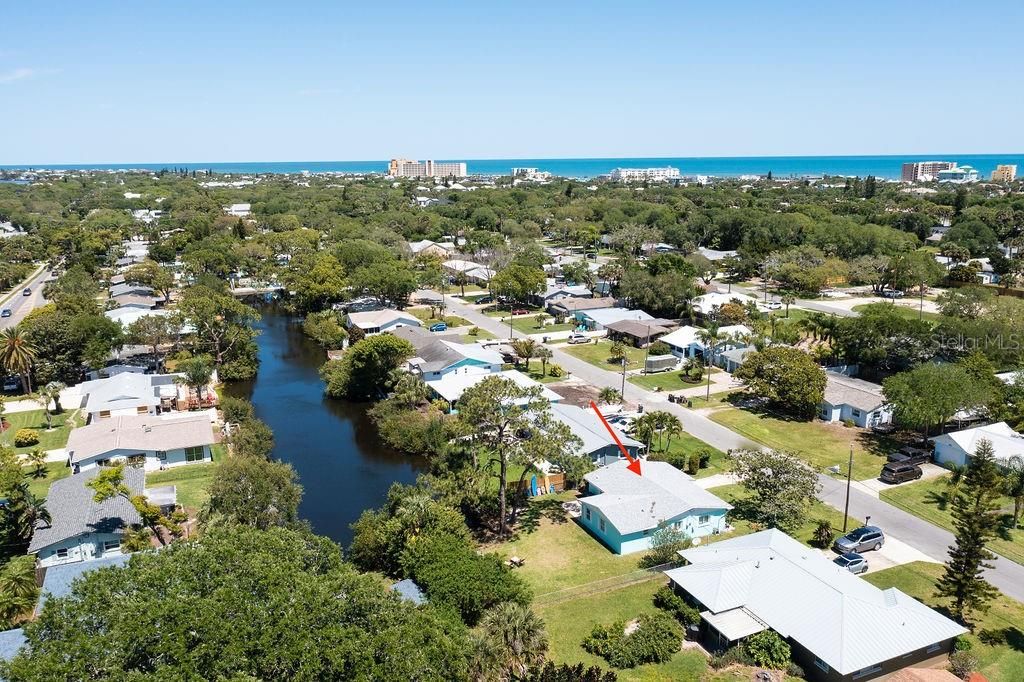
{"points": [[844, 390], [10, 642], [70, 503], [409, 591], [58, 579], [633, 503], [142, 432], [440, 354]]}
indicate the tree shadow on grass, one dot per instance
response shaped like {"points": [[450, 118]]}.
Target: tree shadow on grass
{"points": [[537, 510], [1014, 638], [940, 500]]}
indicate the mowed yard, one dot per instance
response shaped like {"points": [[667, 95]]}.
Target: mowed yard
{"points": [[49, 439], [192, 481], [599, 354], [931, 500], [1000, 662], [820, 444], [578, 583]]}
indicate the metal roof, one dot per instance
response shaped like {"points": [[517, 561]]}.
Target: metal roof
{"points": [[797, 591], [588, 428]]}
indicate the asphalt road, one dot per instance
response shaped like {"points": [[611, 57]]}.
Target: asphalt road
{"points": [[809, 304], [20, 305], [918, 533]]}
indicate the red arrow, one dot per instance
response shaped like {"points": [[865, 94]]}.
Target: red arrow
{"points": [[634, 462]]}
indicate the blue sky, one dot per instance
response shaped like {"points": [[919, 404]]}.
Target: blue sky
{"points": [[231, 81]]}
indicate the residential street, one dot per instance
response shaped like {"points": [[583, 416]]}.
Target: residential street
{"points": [[20, 305], [917, 533]]}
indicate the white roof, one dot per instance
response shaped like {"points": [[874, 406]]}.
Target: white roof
{"points": [[128, 314], [126, 391], [797, 591], [416, 247], [606, 316], [371, 319], [689, 335], [703, 304], [553, 289], [588, 428], [142, 432], [633, 503], [459, 265], [481, 273], [1007, 443], [452, 386]]}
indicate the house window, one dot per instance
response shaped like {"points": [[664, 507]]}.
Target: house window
{"points": [[821, 664], [161, 455], [136, 460], [933, 648], [104, 414], [864, 672], [62, 553], [141, 409], [586, 511], [105, 462], [856, 413], [600, 524], [195, 454], [703, 519], [111, 546]]}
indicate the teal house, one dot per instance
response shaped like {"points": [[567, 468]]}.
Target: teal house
{"points": [[623, 510]]}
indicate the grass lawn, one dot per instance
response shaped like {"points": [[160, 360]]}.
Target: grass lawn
{"points": [[36, 419], [685, 445], [535, 374], [192, 481], [911, 313], [721, 399], [668, 381], [598, 354], [528, 325], [999, 663], [735, 495], [480, 335], [819, 444], [41, 486], [423, 314], [927, 499]]}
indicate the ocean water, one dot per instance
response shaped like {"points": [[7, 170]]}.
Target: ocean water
{"points": [[725, 166]]}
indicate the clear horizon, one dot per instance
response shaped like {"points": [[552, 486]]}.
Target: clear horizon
{"points": [[95, 84]]}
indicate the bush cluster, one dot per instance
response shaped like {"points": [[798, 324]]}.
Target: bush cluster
{"points": [[667, 600], [26, 437], [655, 639]]}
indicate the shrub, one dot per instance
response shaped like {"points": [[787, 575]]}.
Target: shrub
{"points": [[824, 534], [794, 671], [667, 600], [326, 328], [962, 663], [961, 643], [704, 458], [665, 545], [26, 437], [693, 464], [660, 348], [474, 331], [555, 371], [655, 639], [768, 650], [737, 655], [236, 410]]}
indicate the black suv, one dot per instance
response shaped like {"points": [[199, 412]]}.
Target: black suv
{"points": [[898, 472], [910, 454]]}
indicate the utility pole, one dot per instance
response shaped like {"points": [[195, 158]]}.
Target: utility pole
{"points": [[849, 476], [920, 310], [764, 278], [622, 393]]}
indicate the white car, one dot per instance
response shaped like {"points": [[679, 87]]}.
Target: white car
{"points": [[774, 305], [576, 337]]}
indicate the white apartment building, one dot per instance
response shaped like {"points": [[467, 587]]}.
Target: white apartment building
{"points": [[650, 174], [924, 171], [958, 174], [404, 168]]}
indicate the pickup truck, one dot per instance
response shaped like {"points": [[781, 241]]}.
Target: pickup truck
{"points": [[910, 454]]}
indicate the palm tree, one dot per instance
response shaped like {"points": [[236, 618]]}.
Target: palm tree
{"points": [[18, 590], [17, 354], [672, 429], [517, 636], [1014, 487], [609, 395], [525, 349], [195, 373], [957, 475], [543, 353], [709, 338], [50, 393], [788, 300], [410, 389], [644, 428], [37, 458]]}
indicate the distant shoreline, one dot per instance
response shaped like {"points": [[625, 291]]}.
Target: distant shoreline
{"points": [[881, 166]]}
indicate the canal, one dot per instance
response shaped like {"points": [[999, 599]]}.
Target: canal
{"points": [[334, 448]]}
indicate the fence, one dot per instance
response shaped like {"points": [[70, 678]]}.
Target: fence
{"points": [[543, 483], [615, 582]]}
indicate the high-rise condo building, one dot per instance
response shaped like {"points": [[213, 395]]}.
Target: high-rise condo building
{"points": [[924, 171], [653, 174], [404, 168], [1004, 172]]}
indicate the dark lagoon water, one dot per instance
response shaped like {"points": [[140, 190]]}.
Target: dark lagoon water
{"points": [[342, 465]]}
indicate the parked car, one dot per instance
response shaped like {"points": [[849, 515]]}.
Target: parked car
{"points": [[12, 384], [774, 305], [898, 472], [520, 311], [892, 293], [439, 327], [6, 312], [910, 454], [860, 540], [26, 292], [576, 337], [852, 562], [485, 299]]}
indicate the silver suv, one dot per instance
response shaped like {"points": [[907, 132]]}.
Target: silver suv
{"points": [[861, 540]]}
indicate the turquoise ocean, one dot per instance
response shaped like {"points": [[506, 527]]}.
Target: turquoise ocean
{"points": [[779, 166]]}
